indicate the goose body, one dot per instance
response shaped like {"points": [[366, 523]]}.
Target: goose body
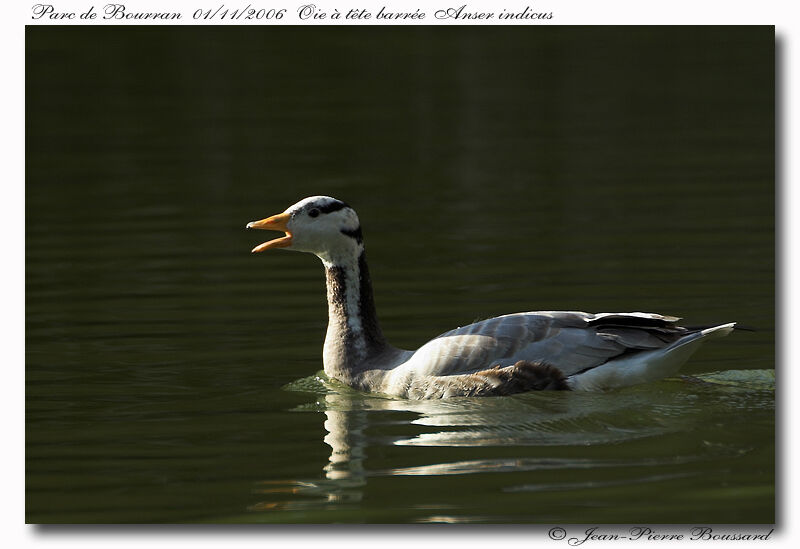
{"points": [[498, 356]]}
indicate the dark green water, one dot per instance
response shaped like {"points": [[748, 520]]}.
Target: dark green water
{"points": [[170, 374]]}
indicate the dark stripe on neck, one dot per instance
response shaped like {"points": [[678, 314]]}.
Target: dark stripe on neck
{"points": [[369, 315], [337, 296], [337, 283], [355, 233]]}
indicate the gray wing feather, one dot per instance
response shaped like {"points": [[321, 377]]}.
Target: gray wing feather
{"points": [[570, 341]]}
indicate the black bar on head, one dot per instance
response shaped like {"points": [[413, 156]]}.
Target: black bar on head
{"points": [[332, 207], [355, 233]]}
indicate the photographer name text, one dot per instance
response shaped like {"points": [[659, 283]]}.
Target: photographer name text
{"points": [[646, 533]]}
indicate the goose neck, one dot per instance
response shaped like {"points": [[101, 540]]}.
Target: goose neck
{"points": [[354, 335]]}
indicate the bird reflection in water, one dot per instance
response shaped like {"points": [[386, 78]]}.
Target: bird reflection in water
{"points": [[538, 425]]}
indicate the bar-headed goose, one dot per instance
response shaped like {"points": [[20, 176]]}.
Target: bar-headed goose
{"points": [[498, 356]]}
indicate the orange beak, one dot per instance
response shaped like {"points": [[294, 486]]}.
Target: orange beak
{"points": [[275, 223]]}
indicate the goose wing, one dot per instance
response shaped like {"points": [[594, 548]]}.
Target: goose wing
{"points": [[571, 341]]}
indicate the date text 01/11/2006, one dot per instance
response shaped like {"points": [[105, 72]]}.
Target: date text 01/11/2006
{"points": [[249, 13]]}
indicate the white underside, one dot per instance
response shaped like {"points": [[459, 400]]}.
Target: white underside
{"points": [[647, 366]]}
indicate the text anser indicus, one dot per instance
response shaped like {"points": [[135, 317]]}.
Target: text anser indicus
{"points": [[498, 356]]}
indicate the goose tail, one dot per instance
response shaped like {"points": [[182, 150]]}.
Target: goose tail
{"points": [[646, 366]]}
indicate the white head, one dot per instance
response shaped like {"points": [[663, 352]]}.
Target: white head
{"points": [[321, 225]]}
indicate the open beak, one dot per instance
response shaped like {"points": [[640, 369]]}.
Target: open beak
{"points": [[275, 223]]}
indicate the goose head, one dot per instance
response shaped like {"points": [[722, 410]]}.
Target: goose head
{"points": [[321, 225]]}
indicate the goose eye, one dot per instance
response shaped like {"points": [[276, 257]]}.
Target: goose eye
{"points": [[313, 212]]}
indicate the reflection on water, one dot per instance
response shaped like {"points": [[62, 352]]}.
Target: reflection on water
{"points": [[558, 422]]}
